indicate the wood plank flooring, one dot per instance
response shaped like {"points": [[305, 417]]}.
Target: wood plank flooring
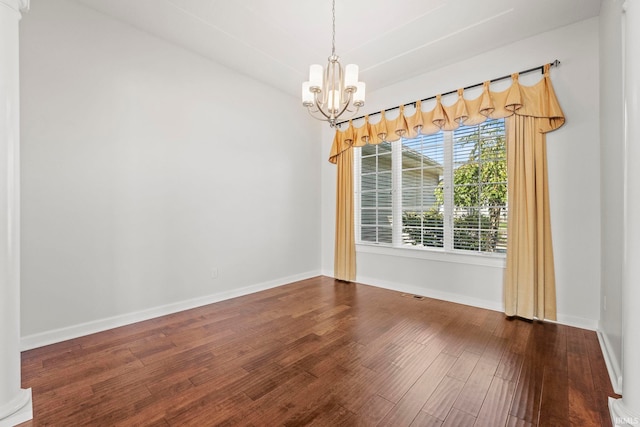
{"points": [[321, 352]]}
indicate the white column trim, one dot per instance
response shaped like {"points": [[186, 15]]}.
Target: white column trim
{"points": [[16, 406], [20, 409], [17, 5], [621, 416], [626, 411]]}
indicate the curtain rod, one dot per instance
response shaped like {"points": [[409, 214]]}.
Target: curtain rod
{"points": [[497, 79]]}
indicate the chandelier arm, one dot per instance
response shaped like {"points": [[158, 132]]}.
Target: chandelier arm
{"points": [[312, 114], [328, 117], [354, 112], [346, 105]]}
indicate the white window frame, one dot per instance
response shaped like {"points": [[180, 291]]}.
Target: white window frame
{"points": [[397, 248]]}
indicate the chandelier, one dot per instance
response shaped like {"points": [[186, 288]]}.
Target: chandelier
{"points": [[331, 92]]}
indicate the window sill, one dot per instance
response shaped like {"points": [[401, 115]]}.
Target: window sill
{"points": [[486, 260]]}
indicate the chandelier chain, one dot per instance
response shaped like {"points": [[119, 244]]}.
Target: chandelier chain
{"points": [[333, 36]]}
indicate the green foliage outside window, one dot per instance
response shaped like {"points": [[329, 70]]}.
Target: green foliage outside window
{"points": [[479, 197]]}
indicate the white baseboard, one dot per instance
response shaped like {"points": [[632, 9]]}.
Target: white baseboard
{"points": [[431, 293], [57, 335], [613, 366], [577, 322]]}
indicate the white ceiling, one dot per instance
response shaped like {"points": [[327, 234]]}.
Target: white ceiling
{"points": [[275, 41]]}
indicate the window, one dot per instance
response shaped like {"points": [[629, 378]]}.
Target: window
{"points": [[376, 189], [446, 190]]}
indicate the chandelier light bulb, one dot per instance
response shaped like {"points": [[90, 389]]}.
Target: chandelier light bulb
{"points": [[307, 95], [315, 78], [350, 76], [334, 101], [358, 96]]}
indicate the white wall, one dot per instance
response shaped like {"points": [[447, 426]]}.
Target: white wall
{"points": [[144, 167], [612, 182], [573, 178]]}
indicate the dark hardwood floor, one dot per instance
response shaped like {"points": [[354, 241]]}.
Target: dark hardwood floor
{"points": [[324, 353]]}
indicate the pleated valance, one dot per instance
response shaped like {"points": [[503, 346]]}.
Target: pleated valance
{"points": [[538, 101]]}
